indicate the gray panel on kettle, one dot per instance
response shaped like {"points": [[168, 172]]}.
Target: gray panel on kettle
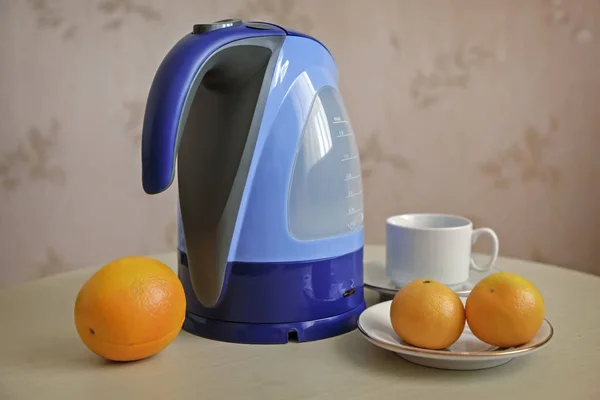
{"points": [[221, 118]]}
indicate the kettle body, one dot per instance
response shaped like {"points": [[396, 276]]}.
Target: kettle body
{"points": [[270, 203]]}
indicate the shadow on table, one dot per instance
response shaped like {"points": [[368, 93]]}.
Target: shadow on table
{"points": [[58, 354], [373, 359]]}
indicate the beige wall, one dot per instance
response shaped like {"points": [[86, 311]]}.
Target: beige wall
{"points": [[487, 108]]}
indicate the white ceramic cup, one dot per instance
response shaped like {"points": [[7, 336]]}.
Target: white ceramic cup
{"points": [[435, 246]]}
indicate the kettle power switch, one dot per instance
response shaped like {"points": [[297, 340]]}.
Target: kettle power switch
{"points": [[224, 23]]}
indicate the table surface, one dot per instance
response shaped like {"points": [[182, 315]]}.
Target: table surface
{"points": [[41, 356]]}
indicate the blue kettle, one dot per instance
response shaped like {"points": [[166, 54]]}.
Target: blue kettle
{"points": [[270, 191]]}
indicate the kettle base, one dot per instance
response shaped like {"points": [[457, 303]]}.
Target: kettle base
{"points": [[247, 333]]}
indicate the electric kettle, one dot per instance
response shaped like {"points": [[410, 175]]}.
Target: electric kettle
{"points": [[270, 191]]}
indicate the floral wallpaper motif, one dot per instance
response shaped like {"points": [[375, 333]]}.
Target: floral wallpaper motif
{"points": [[119, 10], [452, 71], [48, 16], [31, 160], [483, 108], [372, 154], [526, 159]]}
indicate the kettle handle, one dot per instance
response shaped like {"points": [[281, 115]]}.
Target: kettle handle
{"points": [[174, 84], [207, 95]]}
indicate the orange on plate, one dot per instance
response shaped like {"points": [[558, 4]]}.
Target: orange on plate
{"points": [[130, 309], [505, 310], [427, 314]]}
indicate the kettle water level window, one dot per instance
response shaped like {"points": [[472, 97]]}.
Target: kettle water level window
{"points": [[325, 197]]}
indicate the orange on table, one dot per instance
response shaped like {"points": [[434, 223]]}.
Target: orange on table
{"points": [[427, 314], [505, 310], [130, 309]]}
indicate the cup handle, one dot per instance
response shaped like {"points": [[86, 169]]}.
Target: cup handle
{"points": [[495, 246]]}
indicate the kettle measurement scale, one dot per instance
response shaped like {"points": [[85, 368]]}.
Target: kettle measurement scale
{"points": [[352, 178], [263, 255]]}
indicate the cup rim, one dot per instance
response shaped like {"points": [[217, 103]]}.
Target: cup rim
{"points": [[465, 222]]}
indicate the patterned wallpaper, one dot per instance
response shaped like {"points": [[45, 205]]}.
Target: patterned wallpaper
{"points": [[486, 108]]}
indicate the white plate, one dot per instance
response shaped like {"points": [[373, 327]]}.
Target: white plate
{"points": [[375, 278], [468, 353]]}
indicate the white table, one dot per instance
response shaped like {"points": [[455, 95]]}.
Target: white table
{"points": [[41, 356]]}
